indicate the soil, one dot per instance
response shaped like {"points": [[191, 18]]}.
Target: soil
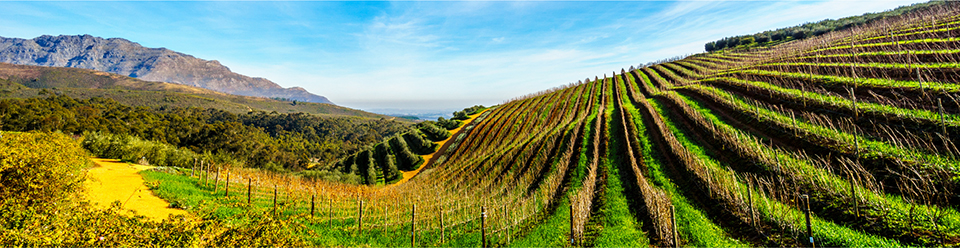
{"points": [[112, 181]]}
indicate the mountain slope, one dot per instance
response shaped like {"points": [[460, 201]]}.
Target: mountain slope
{"points": [[127, 58], [24, 81]]}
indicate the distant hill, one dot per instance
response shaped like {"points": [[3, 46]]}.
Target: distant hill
{"points": [[128, 58], [23, 81]]}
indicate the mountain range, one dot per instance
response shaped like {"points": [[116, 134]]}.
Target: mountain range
{"points": [[124, 57]]}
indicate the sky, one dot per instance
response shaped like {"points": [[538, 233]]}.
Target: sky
{"points": [[423, 55]]}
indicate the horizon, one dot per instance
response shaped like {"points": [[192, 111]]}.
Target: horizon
{"points": [[424, 56]]}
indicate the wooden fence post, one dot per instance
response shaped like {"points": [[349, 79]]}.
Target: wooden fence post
{"points": [[483, 227], [809, 226], [673, 216], [413, 226], [194, 168], [753, 217], [943, 124], [573, 235], [442, 227], [313, 199], [274, 199], [249, 187], [360, 218], [226, 187]]}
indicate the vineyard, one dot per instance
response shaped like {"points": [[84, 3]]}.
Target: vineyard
{"points": [[847, 139], [844, 139]]}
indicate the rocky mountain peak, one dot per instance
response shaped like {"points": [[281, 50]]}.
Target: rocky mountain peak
{"points": [[124, 57]]}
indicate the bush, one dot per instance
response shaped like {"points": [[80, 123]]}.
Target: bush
{"points": [[433, 132], [385, 162], [38, 171], [131, 149], [419, 144], [460, 115], [331, 176], [405, 157], [366, 165]]}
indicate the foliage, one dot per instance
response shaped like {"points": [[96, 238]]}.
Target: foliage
{"points": [[467, 112], [260, 139], [807, 30], [449, 124], [40, 206], [38, 171], [432, 131]]}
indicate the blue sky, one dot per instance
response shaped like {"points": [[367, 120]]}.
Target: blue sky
{"points": [[423, 55]]}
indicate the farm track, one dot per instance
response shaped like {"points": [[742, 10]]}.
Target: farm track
{"points": [[113, 181]]}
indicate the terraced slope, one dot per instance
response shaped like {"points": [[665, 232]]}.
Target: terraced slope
{"points": [[847, 139]]}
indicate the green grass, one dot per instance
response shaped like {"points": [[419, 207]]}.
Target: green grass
{"points": [[553, 232], [825, 232], [693, 225], [619, 223]]}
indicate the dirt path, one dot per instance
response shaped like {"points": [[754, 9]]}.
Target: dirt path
{"points": [[426, 158], [112, 180]]}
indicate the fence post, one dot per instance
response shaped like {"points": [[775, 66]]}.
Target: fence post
{"points": [[194, 168], [274, 199], [226, 187], [809, 227], [313, 199], [943, 124], [483, 227], [753, 217], [413, 227], [360, 218], [673, 216], [249, 187], [442, 227], [573, 235]]}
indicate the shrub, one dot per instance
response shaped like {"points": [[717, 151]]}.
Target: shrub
{"points": [[460, 115], [38, 171], [433, 132], [418, 143], [405, 157], [366, 165]]}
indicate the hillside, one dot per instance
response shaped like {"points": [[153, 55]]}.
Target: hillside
{"points": [[21, 81], [123, 57], [730, 149], [853, 132], [847, 139]]}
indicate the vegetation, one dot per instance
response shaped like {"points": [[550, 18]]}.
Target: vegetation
{"points": [[846, 139], [41, 205], [808, 30], [256, 139]]}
